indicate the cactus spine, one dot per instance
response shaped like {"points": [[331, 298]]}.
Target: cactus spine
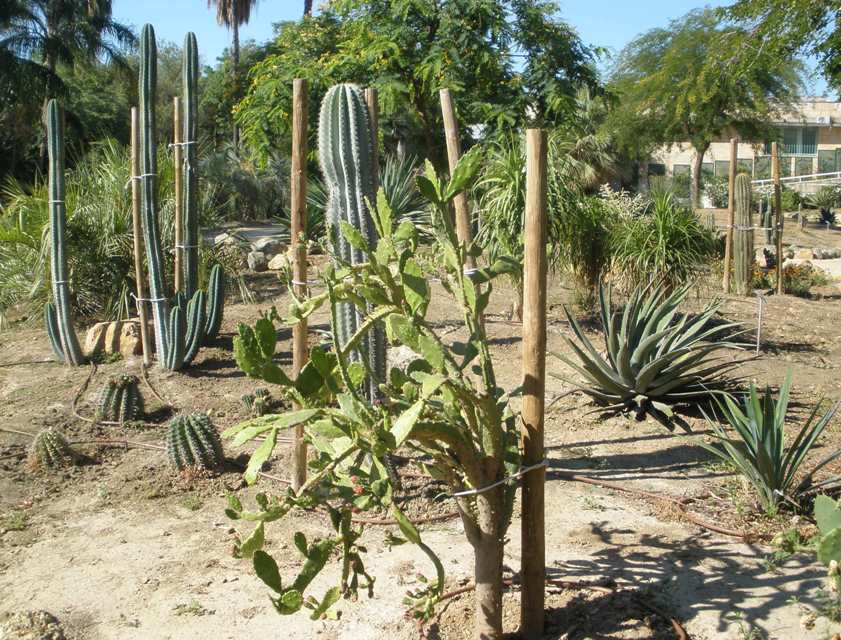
{"points": [[51, 449], [120, 400], [176, 338], [743, 236], [189, 79], [346, 155], [192, 441], [59, 317]]}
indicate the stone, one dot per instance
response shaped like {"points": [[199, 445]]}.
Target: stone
{"points": [[224, 239], [257, 261], [278, 263], [31, 625], [268, 245], [118, 336], [95, 338], [803, 254], [131, 344], [400, 357]]}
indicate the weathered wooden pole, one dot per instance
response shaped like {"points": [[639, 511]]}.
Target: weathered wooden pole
{"points": [[372, 100], [778, 208], [463, 228], [178, 161], [137, 233], [731, 206], [300, 349], [533, 570]]}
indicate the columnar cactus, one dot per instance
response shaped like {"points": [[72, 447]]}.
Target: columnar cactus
{"points": [[51, 449], [768, 224], [192, 441], [258, 403], [120, 400], [215, 302], [346, 155], [178, 332], [743, 236], [189, 80], [59, 317]]}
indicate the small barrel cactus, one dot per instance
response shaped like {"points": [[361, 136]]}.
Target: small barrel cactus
{"points": [[51, 449], [120, 400], [192, 441], [258, 403], [743, 236]]}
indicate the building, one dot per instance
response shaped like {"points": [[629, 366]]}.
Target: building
{"points": [[811, 143]]}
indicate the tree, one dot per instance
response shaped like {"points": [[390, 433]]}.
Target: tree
{"points": [[307, 7], [233, 14], [507, 62], [683, 84], [789, 27]]}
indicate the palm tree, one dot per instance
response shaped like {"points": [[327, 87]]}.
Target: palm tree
{"points": [[232, 14]]}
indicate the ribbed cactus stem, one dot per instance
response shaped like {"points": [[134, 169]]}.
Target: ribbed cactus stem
{"points": [[743, 236], [215, 301], [148, 201], [59, 318], [192, 441], [189, 76], [346, 154]]}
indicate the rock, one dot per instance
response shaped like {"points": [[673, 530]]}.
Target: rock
{"points": [[803, 254], [223, 239], [119, 336], [257, 261], [279, 262], [131, 344], [269, 246], [95, 338], [31, 625], [400, 357]]}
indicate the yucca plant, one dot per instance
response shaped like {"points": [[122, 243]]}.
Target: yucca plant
{"points": [[759, 452], [655, 357]]}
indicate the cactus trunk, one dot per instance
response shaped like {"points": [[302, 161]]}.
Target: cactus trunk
{"points": [[60, 318], [743, 236], [190, 74], [346, 155]]}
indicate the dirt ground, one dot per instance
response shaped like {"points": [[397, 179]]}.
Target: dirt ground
{"points": [[121, 548]]}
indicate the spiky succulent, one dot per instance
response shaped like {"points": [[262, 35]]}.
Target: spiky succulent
{"points": [[51, 449], [192, 441], [655, 357], [743, 236], [120, 400], [258, 403]]}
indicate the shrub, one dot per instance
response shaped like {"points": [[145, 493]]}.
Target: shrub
{"points": [[798, 279], [654, 357], [717, 189], [825, 199], [759, 452]]}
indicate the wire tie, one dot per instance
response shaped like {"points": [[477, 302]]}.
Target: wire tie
{"points": [[181, 144], [55, 201], [523, 471], [470, 271], [136, 299]]}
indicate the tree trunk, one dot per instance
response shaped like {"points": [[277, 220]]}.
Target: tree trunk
{"points": [[235, 138], [487, 553], [697, 163], [307, 7]]}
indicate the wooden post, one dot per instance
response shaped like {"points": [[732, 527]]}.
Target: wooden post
{"points": [[533, 570], [731, 206], [137, 232], [372, 100], [463, 228], [178, 161], [300, 349], [778, 207]]}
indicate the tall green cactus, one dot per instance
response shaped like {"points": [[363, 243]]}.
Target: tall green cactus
{"points": [[59, 317], [189, 80], [743, 236], [346, 154]]}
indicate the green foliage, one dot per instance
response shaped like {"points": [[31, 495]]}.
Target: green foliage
{"points": [[654, 357], [828, 517], [790, 199], [445, 404], [743, 253], [759, 451], [798, 279], [824, 199], [120, 400], [666, 245], [193, 442], [51, 449], [716, 187]]}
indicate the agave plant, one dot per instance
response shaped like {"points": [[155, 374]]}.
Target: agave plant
{"points": [[758, 451], [655, 357]]}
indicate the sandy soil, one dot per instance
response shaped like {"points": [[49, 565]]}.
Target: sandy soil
{"points": [[121, 548]]}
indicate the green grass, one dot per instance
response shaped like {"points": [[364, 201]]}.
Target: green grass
{"points": [[15, 520]]}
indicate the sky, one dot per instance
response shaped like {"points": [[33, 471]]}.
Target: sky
{"points": [[605, 23]]}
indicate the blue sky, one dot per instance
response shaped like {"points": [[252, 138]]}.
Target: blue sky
{"points": [[606, 23]]}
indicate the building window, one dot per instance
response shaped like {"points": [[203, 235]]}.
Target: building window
{"points": [[722, 168], [803, 166], [744, 166], [707, 169], [797, 141], [762, 168], [656, 169], [681, 170]]}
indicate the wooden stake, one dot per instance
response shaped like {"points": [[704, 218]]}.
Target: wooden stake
{"points": [[533, 568], [778, 207], [463, 228], [137, 231], [300, 349], [372, 100], [178, 161], [731, 206]]}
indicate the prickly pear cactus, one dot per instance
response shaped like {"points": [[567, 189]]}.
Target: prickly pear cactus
{"points": [[346, 155], [828, 517], [192, 441], [743, 236], [258, 403], [51, 449], [120, 400]]}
